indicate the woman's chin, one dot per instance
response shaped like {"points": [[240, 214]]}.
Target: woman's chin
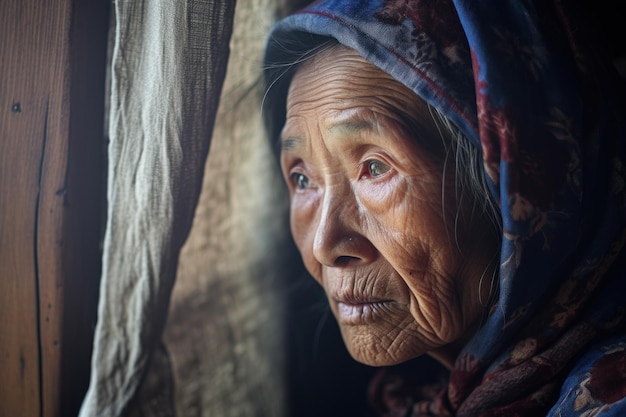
{"points": [[373, 350], [377, 359]]}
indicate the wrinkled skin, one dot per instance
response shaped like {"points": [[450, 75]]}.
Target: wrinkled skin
{"points": [[405, 268]]}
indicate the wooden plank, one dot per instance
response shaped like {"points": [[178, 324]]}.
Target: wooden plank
{"points": [[32, 63], [41, 241]]}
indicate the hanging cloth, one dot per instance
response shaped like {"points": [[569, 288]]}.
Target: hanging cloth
{"points": [[168, 66]]}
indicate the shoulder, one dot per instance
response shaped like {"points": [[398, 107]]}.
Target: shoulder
{"points": [[596, 386]]}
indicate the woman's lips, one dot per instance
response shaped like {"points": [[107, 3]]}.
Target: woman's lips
{"points": [[350, 312]]}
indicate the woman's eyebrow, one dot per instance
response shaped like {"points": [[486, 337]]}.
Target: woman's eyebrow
{"points": [[290, 143], [345, 127], [351, 126]]}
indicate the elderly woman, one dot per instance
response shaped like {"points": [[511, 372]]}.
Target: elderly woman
{"points": [[457, 182]]}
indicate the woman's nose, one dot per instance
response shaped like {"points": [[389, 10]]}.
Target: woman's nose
{"points": [[339, 238]]}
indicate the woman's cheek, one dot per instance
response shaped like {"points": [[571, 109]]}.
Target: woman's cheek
{"points": [[386, 206], [380, 197]]}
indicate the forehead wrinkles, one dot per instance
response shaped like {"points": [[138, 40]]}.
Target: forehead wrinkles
{"points": [[339, 77]]}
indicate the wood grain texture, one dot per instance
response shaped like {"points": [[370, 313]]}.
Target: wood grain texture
{"points": [[33, 119], [36, 221]]}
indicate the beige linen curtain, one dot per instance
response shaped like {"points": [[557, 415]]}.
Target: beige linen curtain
{"points": [[168, 65]]}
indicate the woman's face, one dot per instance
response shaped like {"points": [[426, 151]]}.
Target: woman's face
{"points": [[374, 217]]}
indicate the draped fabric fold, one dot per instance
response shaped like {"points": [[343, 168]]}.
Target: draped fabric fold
{"points": [[168, 66]]}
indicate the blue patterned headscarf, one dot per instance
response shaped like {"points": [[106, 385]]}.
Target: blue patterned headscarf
{"points": [[524, 84]]}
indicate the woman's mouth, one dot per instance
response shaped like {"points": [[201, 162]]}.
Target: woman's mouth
{"points": [[353, 313]]}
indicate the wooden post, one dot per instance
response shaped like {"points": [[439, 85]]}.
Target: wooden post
{"points": [[52, 65]]}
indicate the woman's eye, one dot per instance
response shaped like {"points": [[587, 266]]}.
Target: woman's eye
{"points": [[376, 168], [301, 181]]}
